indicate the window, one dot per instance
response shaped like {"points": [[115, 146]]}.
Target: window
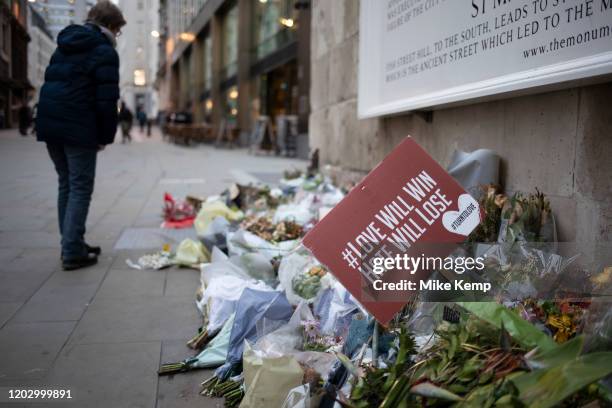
{"points": [[139, 77], [207, 62], [5, 38], [186, 84], [275, 24], [230, 42]]}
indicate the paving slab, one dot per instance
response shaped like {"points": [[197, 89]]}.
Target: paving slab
{"points": [[152, 238], [23, 222], [56, 303], [23, 274], [91, 275], [20, 285], [137, 318], [7, 310], [29, 259], [182, 282], [103, 231], [8, 254], [28, 239], [126, 282], [271, 178], [29, 349], [182, 390], [119, 319], [108, 375], [65, 295], [148, 218]]}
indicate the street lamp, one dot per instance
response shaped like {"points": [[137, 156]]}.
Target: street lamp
{"points": [[188, 37], [287, 22]]}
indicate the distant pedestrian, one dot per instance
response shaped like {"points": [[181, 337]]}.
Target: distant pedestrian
{"points": [[141, 116], [77, 117], [34, 114], [125, 120], [149, 124], [25, 118], [2, 114]]}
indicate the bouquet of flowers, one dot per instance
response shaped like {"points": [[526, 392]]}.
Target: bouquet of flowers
{"points": [[314, 340]]}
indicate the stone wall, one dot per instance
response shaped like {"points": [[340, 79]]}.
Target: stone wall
{"points": [[559, 142]]}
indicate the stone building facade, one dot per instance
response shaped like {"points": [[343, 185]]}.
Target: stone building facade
{"points": [[235, 61], [138, 52], [14, 85], [559, 142], [60, 13], [40, 49]]}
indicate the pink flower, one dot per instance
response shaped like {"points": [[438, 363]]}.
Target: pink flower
{"points": [[311, 328]]}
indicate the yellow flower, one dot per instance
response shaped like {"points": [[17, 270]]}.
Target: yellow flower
{"points": [[564, 325]]}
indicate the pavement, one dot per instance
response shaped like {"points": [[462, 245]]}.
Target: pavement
{"points": [[102, 332]]}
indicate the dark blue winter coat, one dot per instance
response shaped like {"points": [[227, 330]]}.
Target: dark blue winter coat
{"points": [[78, 101]]}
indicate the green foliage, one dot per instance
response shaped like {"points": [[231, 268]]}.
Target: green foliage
{"points": [[483, 361], [468, 355], [548, 387], [377, 386], [526, 215], [521, 330]]}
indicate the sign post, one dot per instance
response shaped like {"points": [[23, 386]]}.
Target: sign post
{"points": [[407, 205]]}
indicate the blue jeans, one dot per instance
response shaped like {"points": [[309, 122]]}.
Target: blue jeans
{"points": [[76, 170]]}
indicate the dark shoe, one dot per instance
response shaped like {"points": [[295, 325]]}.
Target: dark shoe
{"points": [[77, 263], [96, 250], [91, 250]]}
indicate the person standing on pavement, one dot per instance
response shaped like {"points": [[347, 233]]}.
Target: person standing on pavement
{"points": [[125, 119], [77, 117]]}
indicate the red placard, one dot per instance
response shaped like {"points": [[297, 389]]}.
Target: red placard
{"points": [[408, 197]]}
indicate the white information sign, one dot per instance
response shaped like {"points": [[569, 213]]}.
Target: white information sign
{"points": [[416, 54]]}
